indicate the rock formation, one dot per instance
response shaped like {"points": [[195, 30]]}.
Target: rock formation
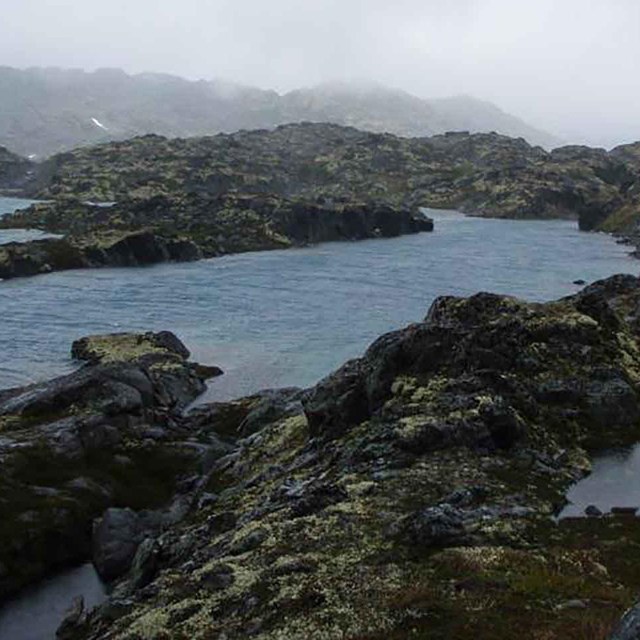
{"points": [[482, 174], [322, 164], [188, 227], [105, 435], [411, 492]]}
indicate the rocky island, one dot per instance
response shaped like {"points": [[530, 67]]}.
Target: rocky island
{"points": [[311, 170], [189, 227], [409, 494]]}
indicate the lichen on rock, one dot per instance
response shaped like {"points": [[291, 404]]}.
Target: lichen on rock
{"points": [[412, 493]]}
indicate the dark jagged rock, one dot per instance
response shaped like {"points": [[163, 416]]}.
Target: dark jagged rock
{"points": [[189, 227], [435, 527], [19, 259], [115, 539], [109, 434], [414, 494]]}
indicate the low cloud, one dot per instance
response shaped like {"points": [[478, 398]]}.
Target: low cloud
{"points": [[569, 66]]}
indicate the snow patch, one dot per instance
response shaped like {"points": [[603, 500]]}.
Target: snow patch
{"points": [[99, 124]]}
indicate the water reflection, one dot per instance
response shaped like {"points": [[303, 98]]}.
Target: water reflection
{"points": [[614, 482]]}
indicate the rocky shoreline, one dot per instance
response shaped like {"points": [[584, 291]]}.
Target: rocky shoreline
{"points": [[103, 435], [184, 228], [326, 168], [410, 493]]}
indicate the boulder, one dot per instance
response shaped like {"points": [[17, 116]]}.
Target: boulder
{"points": [[116, 536], [73, 617], [145, 564]]}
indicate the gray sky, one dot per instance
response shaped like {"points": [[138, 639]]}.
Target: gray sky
{"points": [[570, 66]]}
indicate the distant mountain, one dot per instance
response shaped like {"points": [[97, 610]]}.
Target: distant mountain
{"points": [[377, 108], [45, 111], [470, 114]]}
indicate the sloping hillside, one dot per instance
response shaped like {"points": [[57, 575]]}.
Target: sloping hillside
{"points": [[377, 108], [45, 111]]}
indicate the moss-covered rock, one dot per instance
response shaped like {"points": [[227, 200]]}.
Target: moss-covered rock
{"points": [[483, 174], [413, 494], [188, 227], [106, 435]]}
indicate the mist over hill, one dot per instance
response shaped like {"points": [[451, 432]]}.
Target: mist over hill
{"points": [[45, 111]]}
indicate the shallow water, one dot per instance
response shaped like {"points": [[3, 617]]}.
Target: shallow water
{"points": [[613, 482], [283, 318], [38, 611]]}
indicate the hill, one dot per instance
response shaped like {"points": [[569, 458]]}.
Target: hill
{"points": [[484, 174], [45, 111], [372, 107]]}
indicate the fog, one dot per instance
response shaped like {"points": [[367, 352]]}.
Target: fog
{"points": [[568, 66]]}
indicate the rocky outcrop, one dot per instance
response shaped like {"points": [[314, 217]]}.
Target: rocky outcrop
{"points": [[411, 492], [482, 174], [19, 259], [306, 164], [189, 227], [106, 435]]}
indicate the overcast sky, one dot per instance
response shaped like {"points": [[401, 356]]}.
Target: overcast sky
{"points": [[569, 66]]}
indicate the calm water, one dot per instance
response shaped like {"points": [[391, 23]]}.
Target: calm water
{"points": [[290, 317], [613, 482], [37, 613]]}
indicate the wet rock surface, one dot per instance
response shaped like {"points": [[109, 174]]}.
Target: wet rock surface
{"points": [[108, 435], [115, 539], [20, 259], [409, 493], [183, 228]]}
